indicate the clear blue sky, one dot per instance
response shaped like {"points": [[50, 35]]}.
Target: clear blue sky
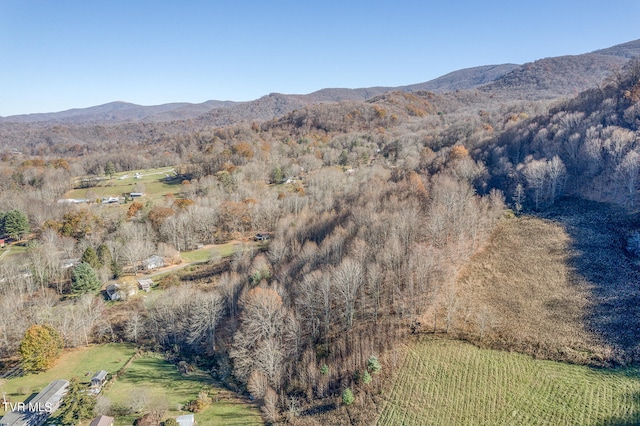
{"points": [[62, 54]]}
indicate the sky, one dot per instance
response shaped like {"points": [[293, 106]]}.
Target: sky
{"points": [[61, 54]]}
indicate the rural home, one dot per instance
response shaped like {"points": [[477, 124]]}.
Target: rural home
{"points": [[154, 262], [186, 420], [39, 408], [120, 292], [102, 421], [114, 293]]}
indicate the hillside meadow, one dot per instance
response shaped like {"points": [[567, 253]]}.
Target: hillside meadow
{"points": [[447, 382]]}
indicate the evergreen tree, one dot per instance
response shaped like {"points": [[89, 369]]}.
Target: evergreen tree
{"points": [[347, 396], [40, 347], [16, 224], [91, 257], [104, 255], [374, 365], [84, 280], [109, 169], [77, 404]]}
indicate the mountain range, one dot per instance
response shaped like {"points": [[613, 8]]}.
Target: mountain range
{"points": [[546, 78]]}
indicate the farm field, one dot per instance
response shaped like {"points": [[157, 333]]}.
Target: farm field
{"points": [[79, 362], [446, 382], [156, 378]]}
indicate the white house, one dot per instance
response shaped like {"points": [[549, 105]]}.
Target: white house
{"points": [[153, 262]]}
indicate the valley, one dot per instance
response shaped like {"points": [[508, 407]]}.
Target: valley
{"points": [[459, 251]]}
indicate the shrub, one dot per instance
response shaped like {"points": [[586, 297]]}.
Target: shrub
{"points": [[373, 365], [347, 396], [366, 378], [324, 370]]}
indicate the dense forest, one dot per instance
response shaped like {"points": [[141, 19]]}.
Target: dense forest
{"points": [[373, 209]]}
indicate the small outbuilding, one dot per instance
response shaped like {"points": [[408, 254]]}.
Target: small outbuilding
{"points": [[186, 420], [97, 381], [102, 421], [145, 284]]}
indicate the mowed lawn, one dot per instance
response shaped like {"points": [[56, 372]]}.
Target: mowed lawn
{"points": [[214, 250], [159, 379], [446, 382], [79, 362], [153, 181]]}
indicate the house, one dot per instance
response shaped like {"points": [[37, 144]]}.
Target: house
{"points": [[145, 285], [69, 263], [39, 408], [120, 292], [114, 292], [102, 421], [186, 420], [153, 262], [97, 381], [110, 200]]}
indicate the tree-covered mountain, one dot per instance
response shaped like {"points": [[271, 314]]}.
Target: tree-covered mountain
{"points": [[545, 78]]}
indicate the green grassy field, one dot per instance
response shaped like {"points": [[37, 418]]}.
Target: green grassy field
{"points": [[445, 382], [154, 187], [204, 254], [80, 362], [160, 379]]}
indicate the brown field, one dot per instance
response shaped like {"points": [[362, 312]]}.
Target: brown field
{"points": [[559, 287]]}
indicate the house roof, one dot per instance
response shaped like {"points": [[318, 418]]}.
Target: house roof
{"points": [[52, 393], [186, 420], [15, 418], [100, 375], [102, 421], [47, 399], [112, 288]]}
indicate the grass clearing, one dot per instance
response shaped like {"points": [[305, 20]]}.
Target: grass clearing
{"points": [[78, 362], [447, 382], [153, 181], [218, 250], [157, 378]]}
